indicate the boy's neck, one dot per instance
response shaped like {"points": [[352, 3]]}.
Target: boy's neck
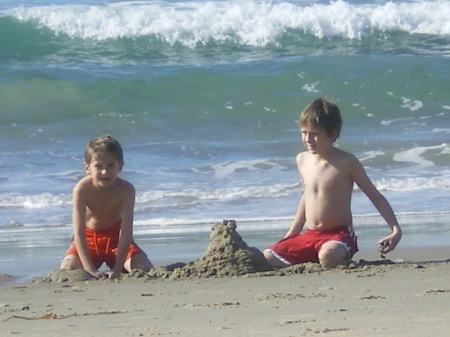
{"points": [[326, 154]]}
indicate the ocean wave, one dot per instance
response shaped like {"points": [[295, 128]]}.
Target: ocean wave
{"points": [[38, 201], [245, 23], [182, 225], [166, 225], [159, 200]]}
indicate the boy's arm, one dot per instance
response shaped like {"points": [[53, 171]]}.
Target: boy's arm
{"points": [[299, 220], [79, 231], [382, 205], [126, 230]]}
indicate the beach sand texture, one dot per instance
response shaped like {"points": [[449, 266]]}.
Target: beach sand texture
{"points": [[366, 298]]}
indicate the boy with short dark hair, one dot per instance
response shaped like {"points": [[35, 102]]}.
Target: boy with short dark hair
{"points": [[103, 207]]}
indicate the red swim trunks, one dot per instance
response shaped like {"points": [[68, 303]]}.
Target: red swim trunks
{"points": [[103, 246], [305, 247]]}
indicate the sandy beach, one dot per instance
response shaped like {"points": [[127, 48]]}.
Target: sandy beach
{"points": [[406, 299], [380, 297]]}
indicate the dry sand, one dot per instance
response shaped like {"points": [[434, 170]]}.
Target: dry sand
{"points": [[230, 292]]}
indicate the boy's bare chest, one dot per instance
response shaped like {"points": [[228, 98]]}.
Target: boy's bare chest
{"points": [[324, 177], [103, 202]]}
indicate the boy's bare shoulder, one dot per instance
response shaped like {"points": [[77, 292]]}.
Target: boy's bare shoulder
{"points": [[347, 161], [83, 184], [347, 156], [302, 156], [344, 154], [126, 185]]}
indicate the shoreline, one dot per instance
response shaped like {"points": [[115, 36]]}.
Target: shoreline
{"points": [[418, 255], [28, 271], [27, 256]]}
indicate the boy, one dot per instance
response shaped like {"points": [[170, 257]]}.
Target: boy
{"points": [[102, 215], [327, 176]]}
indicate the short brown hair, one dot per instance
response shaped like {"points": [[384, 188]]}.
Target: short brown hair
{"points": [[324, 114], [103, 144]]}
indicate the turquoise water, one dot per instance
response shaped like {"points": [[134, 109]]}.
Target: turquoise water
{"points": [[204, 97]]}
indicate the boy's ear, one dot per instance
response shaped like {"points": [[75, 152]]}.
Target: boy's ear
{"points": [[86, 168], [121, 166], [334, 134]]}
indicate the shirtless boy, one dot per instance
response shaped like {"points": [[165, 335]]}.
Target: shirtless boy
{"points": [[102, 215], [327, 175]]}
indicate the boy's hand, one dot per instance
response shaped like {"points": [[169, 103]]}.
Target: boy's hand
{"points": [[98, 275], [112, 275], [389, 242]]}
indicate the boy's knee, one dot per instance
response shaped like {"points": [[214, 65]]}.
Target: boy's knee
{"points": [[273, 261], [332, 254], [267, 255], [71, 262], [140, 262]]}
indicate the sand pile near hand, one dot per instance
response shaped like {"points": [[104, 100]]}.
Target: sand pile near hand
{"points": [[227, 255], [62, 275]]}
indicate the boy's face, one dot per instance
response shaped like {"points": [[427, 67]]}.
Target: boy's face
{"points": [[103, 168], [316, 139]]}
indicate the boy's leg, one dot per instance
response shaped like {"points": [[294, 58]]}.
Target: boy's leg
{"points": [[71, 262], [274, 261], [139, 261], [332, 254]]}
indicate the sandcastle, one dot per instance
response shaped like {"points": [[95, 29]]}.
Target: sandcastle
{"points": [[226, 255]]}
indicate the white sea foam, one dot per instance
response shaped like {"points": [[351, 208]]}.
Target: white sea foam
{"points": [[225, 169], [178, 198], [413, 184], [391, 121], [246, 22], [44, 200], [371, 154], [160, 200], [416, 154], [441, 130], [410, 104]]}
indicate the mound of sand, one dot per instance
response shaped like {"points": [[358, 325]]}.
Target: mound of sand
{"points": [[63, 275], [5, 278], [226, 255]]}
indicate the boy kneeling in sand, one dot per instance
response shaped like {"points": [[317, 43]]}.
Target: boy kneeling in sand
{"points": [[327, 176], [103, 207]]}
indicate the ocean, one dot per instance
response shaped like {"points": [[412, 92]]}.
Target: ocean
{"points": [[204, 98]]}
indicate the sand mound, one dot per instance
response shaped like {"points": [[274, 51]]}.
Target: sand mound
{"points": [[62, 275], [5, 278], [226, 255]]}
